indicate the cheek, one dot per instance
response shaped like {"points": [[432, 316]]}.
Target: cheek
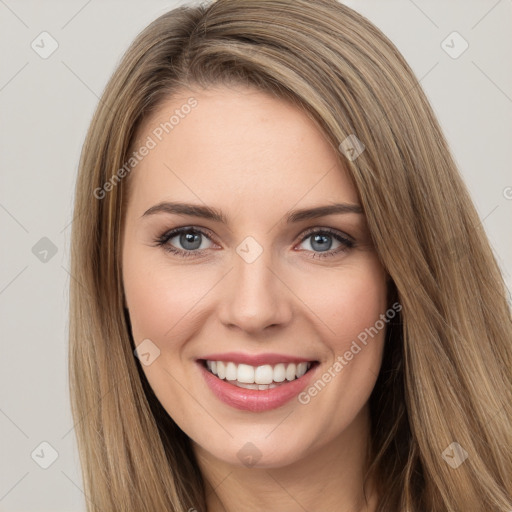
{"points": [[355, 309], [165, 306], [349, 306], [347, 300], [162, 303], [160, 300]]}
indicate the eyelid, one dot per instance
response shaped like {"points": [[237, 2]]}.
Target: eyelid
{"points": [[331, 231], [340, 236], [346, 243], [207, 232], [171, 233]]}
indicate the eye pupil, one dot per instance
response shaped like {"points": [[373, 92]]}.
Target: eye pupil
{"points": [[325, 242], [190, 238]]}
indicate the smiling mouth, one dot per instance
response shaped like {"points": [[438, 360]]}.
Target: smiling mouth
{"points": [[258, 377]]}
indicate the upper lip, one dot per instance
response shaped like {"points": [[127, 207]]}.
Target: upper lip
{"points": [[255, 359]]}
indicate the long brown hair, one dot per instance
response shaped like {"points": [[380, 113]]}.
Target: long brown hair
{"points": [[446, 376]]}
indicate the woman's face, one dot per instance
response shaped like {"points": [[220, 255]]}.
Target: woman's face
{"points": [[230, 265]]}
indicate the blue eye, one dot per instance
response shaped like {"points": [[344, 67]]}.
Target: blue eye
{"points": [[192, 242], [321, 241], [191, 239]]}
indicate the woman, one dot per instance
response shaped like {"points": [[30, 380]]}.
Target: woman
{"points": [[283, 296]]}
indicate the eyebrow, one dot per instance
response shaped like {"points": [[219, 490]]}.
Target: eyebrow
{"points": [[207, 212]]}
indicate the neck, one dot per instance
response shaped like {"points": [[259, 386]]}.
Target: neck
{"points": [[327, 477]]}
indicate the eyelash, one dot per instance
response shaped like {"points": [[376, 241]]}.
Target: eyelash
{"points": [[162, 241]]}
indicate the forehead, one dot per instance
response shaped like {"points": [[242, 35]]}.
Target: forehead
{"points": [[209, 143]]}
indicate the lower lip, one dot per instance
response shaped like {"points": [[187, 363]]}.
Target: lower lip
{"points": [[252, 399]]}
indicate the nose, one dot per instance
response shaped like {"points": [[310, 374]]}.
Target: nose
{"points": [[255, 298]]}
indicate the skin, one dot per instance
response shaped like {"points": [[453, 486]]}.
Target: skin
{"points": [[256, 158]]}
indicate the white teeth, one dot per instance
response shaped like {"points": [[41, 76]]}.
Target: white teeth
{"points": [[291, 370], [221, 370], [259, 387], [245, 374], [301, 369], [264, 374], [257, 377], [231, 371], [279, 372], [246, 386]]}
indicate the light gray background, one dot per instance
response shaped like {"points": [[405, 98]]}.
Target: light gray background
{"points": [[46, 105]]}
